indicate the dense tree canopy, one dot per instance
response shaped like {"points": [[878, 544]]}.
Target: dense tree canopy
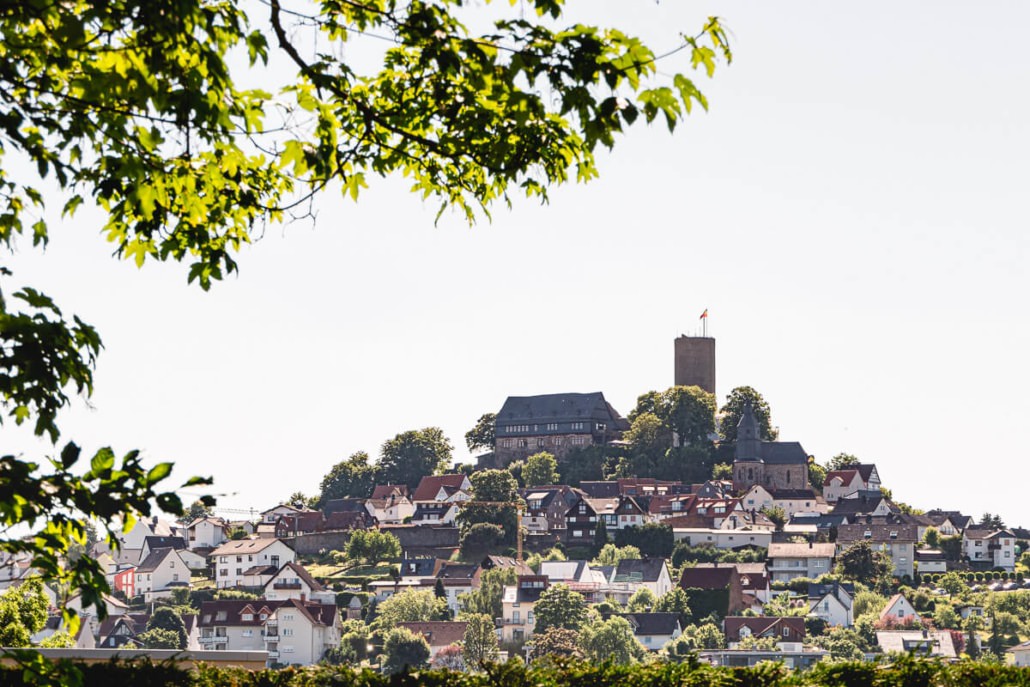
{"points": [[734, 409], [137, 107], [688, 412], [353, 477], [481, 437], [561, 607], [540, 469]]}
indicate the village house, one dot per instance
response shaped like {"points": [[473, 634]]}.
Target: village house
{"points": [[930, 643], [235, 624], [1019, 655], [724, 539], [546, 507], [788, 631], [581, 523], [930, 561], [293, 581], [864, 504], [631, 575], [205, 533], [896, 540], [654, 630], [390, 504], [988, 548], [842, 483], [949, 522], [789, 560], [517, 603], [159, 573], [716, 577], [556, 423], [899, 610], [234, 559], [832, 603], [300, 632], [439, 634]]}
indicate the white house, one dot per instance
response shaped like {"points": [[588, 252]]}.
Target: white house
{"points": [[205, 533], [161, 571], [233, 559], [292, 581], [299, 633], [832, 603], [630, 575], [900, 609], [787, 561], [654, 630], [994, 548], [1019, 655], [723, 539]]}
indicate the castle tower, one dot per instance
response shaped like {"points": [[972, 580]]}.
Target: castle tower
{"points": [[695, 362]]}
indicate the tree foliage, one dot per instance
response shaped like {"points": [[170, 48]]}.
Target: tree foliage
{"points": [[732, 411], [611, 640], [403, 649], [372, 546], [479, 644], [861, 563], [412, 455], [169, 620], [487, 599], [408, 606], [354, 477], [559, 606], [555, 642], [135, 106], [611, 554], [842, 461], [23, 613], [481, 437], [686, 411], [541, 469]]}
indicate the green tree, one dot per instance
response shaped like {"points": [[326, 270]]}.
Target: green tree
{"points": [[652, 540], [816, 475], [842, 643], [842, 461], [611, 554], [703, 636], [952, 583], [722, 471], [945, 617], [481, 437], [733, 410], [196, 511], [777, 515], [861, 563], [372, 546], [491, 489], [559, 606], [687, 411], [611, 640], [675, 601], [412, 455], [932, 537], [868, 602], [648, 435], [23, 613], [991, 522], [479, 644], [600, 536], [59, 640], [136, 108], [404, 650], [353, 477], [158, 638], [487, 599], [354, 639], [642, 601], [480, 539], [753, 643], [541, 469], [409, 606], [555, 642], [168, 619]]}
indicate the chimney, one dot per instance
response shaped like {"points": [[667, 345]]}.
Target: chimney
{"points": [[302, 597], [809, 543]]}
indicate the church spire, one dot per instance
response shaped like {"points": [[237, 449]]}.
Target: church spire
{"points": [[748, 441]]}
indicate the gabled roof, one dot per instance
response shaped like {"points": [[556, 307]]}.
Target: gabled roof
{"points": [[347, 505], [653, 624], [155, 542], [600, 490], [154, 560], [639, 570], [316, 613], [564, 571], [229, 612], [457, 571], [261, 570], [431, 485], [708, 577], [865, 470], [809, 550], [302, 574], [793, 494], [240, 547], [985, 533], [438, 632], [866, 502], [877, 532], [764, 626], [385, 491], [783, 453], [846, 476], [559, 408]]}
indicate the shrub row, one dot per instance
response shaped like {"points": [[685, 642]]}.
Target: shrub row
{"points": [[903, 672]]}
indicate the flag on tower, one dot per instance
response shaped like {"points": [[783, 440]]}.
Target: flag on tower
{"points": [[704, 315]]}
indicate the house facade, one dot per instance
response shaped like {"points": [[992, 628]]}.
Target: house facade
{"points": [[556, 423], [235, 560], [986, 548], [789, 560], [897, 540]]}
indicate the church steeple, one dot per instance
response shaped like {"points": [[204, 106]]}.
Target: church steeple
{"points": [[749, 443]]}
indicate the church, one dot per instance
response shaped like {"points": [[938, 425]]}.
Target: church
{"points": [[772, 464]]}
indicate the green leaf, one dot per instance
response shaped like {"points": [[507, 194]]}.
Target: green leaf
{"points": [[159, 472], [102, 461]]}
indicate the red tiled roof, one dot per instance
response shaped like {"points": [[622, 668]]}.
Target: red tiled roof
{"points": [[430, 486]]}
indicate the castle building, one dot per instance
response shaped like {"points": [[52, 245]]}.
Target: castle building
{"points": [[772, 464], [694, 362], [556, 423]]}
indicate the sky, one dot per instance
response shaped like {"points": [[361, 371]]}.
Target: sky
{"points": [[851, 211]]}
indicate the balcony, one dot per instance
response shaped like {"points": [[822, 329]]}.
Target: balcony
{"points": [[509, 621], [273, 654], [213, 639], [270, 635], [286, 585]]}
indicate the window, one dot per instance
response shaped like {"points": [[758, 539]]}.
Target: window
{"points": [[557, 441], [248, 633], [553, 427], [786, 630], [600, 426], [223, 559], [577, 425], [248, 616], [287, 616], [516, 616], [239, 559], [287, 632], [239, 571]]}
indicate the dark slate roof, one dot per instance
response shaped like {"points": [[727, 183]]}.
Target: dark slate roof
{"points": [[865, 470], [230, 612], [600, 490], [560, 409], [877, 533], [707, 577], [344, 506], [653, 623], [820, 520], [153, 560], [783, 453], [423, 566], [261, 570], [818, 591], [639, 569], [760, 626], [858, 505], [177, 543], [302, 574], [457, 571], [792, 493]]}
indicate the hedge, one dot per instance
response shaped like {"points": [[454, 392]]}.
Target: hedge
{"points": [[903, 672]]}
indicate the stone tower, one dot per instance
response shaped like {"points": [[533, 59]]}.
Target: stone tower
{"points": [[695, 362]]}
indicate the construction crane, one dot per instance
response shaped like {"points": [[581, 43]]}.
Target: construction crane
{"points": [[519, 506]]}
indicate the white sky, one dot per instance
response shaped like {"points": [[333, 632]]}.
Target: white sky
{"points": [[851, 211]]}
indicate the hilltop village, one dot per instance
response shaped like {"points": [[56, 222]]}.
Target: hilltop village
{"points": [[682, 530]]}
